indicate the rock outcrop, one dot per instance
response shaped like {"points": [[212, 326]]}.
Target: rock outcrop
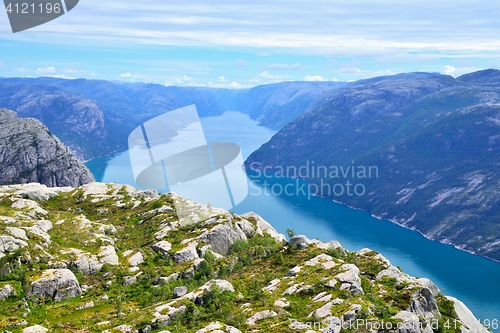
{"points": [[221, 273], [30, 153], [58, 284]]}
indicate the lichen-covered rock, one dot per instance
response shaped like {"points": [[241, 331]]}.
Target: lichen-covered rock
{"points": [[10, 244], [218, 328], [423, 304], [162, 247], [299, 242], [35, 329], [58, 284], [350, 279], [180, 291], [6, 291], [189, 253], [264, 226], [259, 316], [222, 236], [108, 255]]}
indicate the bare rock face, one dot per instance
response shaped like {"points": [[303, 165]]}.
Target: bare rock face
{"points": [[59, 284], [29, 153]]}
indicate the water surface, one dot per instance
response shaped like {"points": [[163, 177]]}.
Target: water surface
{"points": [[472, 279]]}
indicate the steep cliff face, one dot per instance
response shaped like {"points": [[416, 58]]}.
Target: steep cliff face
{"points": [[30, 153], [433, 139]]}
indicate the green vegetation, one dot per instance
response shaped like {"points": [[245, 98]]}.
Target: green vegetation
{"points": [[259, 270]]}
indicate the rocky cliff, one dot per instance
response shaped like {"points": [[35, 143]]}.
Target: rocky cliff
{"points": [[30, 153], [109, 258], [430, 141]]}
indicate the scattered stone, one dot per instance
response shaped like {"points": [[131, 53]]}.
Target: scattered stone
{"points": [[35, 329], [108, 255], [331, 283], [264, 226], [423, 304], [6, 291], [189, 253], [430, 285], [259, 316], [128, 280], [166, 280], [88, 305], [272, 285], [162, 247], [322, 312], [294, 271], [350, 279], [218, 328], [282, 303], [394, 273], [16, 232], [10, 244], [59, 284], [87, 264], [180, 291], [136, 259], [299, 242], [223, 235]]}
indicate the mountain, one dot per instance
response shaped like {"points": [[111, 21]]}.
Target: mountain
{"points": [[422, 151], [95, 117], [275, 105], [30, 153], [109, 258]]}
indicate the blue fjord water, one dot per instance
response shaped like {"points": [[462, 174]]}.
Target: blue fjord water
{"points": [[472, 279]]}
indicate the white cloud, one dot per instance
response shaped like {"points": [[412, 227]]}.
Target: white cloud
{"points": [[263, 54], [266, 77], [2, 64], [362, 74], [222, 79], [136, 76], [449, 70], [241, 63], [46, 70], [314, 78], [295, 66], [62, 76], [79, 72], [456, 72]]}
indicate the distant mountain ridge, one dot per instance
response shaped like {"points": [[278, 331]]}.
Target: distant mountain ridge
{"points": [[30, 153], [434, 139], [95, 117]]}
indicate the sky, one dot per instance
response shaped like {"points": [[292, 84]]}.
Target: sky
{"points": [[240, 44]]}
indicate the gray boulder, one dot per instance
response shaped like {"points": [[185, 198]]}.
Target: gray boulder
{"points": [[223, 235], [350, 279], [423, 304], [180, 291], [35, 329], [59, 284], [264, 226], [299, 242], [6, 291], [189, 253], [10, 244], [162, 247], [87, 264]]}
